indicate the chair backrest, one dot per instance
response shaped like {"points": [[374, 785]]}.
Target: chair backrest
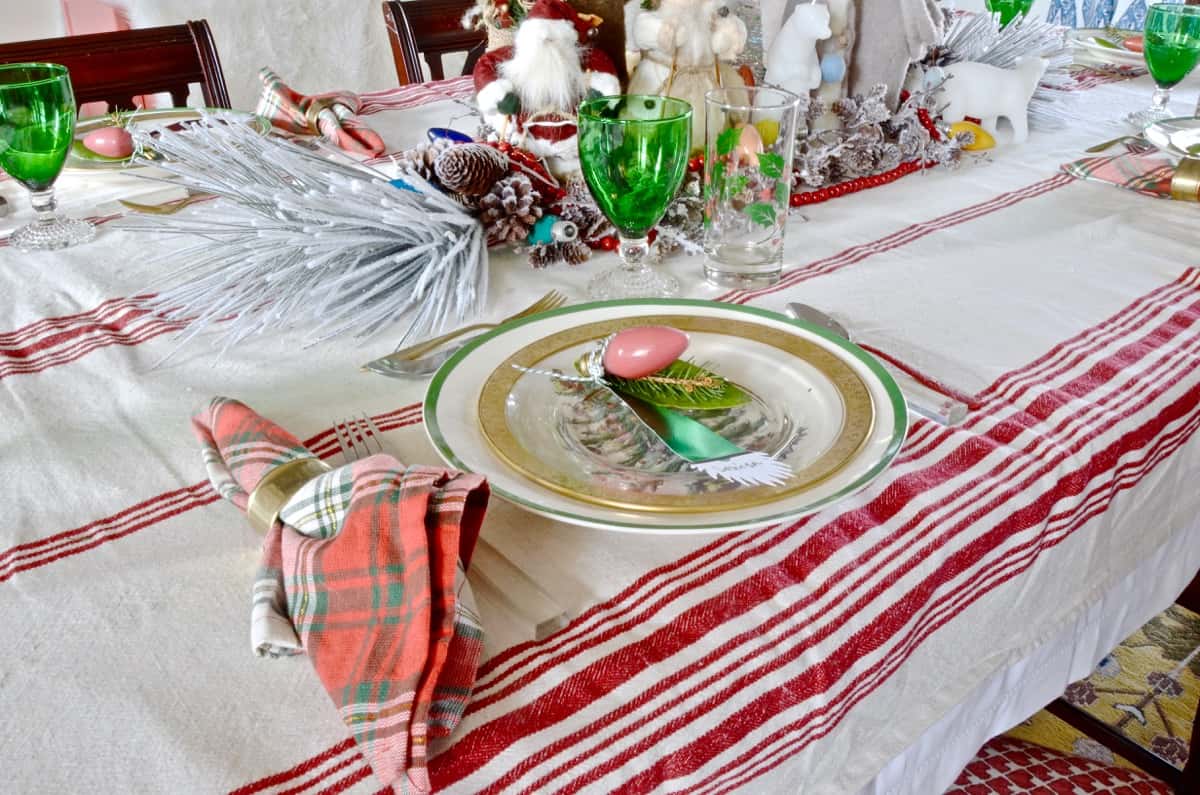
{"points": [[118, 66], [431, 28]]}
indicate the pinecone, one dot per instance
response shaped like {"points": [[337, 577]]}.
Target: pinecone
{"points": [[420, 159], [470, 169], [510, 209], [586, 216], [572, 252]]}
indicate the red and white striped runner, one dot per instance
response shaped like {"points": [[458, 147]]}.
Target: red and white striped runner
{"points": [[767, 640]]}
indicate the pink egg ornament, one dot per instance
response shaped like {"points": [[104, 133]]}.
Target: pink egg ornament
{"points": [[643, 350], [110, 142], [749, 146]]}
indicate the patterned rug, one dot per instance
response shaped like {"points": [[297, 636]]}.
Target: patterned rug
{"points": [[1147, 689]]}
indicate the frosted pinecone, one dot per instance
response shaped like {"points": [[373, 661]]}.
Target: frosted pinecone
{"points": [[420, 159], [470, 169], [510, 209], [586, 216], [572, 252]]}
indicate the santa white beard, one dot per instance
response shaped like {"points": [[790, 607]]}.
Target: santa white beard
{"points": [[545, 68]]}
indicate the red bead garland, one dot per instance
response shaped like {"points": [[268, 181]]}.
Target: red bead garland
{"points": [[855, 185]]}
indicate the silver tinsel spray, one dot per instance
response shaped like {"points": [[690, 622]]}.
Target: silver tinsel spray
{"points": [[305, 238], [980, 38]]}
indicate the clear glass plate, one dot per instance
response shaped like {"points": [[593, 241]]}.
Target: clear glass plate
{"points": [[807, 409]]}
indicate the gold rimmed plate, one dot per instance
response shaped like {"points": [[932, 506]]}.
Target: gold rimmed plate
{"points": [[575, 453], [81, 158]]}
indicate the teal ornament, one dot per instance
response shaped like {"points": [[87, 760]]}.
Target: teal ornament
{"points": [[833, 68], [552, 229], [454, 136]]}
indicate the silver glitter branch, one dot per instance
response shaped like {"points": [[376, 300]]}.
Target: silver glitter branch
{"points": [[299, 239]]}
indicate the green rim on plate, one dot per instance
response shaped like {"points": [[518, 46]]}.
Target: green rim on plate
{"points": [[895, 397]]}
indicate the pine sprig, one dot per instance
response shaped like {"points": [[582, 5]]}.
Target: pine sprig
{"points": [[681, 385]]}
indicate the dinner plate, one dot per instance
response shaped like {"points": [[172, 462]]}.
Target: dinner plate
{"points": [[573, 452], [1179, 137], [1085, 39], [81, 158]]}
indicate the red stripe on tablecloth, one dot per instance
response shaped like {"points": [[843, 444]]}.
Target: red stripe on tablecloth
{"points": [[552, 644], [79, 349], [903, 237], [101, 310], [33, 554], [653, 654], [1006, 570], [836, 664], [299, 770], [971, 401], [1092, 339]]}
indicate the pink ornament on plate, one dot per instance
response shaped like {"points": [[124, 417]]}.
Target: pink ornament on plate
{"points": [[110, 142], [749, 146], [643, 350]]}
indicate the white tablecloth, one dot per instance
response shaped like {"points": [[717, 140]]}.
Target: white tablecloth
{"points": [[873, 646]]}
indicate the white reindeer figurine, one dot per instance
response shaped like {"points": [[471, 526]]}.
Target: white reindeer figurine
{"points": [[988, 92], [792, 62]]}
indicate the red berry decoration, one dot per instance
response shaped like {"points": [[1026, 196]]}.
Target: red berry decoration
{"points": [[608, 243]]}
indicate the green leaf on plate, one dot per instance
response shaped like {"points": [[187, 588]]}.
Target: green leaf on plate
{"points": [[761, 213], [771, 165], [783, 192], [727, 140], [738, 183], [682, 385]]}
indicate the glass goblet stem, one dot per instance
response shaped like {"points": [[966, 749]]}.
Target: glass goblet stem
{"points": [[45, 205], [1158, 102], [634, 253]]}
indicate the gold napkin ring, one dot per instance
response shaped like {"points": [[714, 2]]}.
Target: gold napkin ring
{"points": [[1185, 185], [277, 487], [313, 114]]}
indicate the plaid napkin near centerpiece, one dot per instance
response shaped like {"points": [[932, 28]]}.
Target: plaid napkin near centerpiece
{"points": [[364, 571], [331, 115], [1148, 173]]}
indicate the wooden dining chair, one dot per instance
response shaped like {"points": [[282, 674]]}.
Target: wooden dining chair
{"points": [[432, 28], [115, 67]]}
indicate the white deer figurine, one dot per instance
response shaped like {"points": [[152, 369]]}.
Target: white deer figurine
{"points": [[988, 92], [792, 62]]}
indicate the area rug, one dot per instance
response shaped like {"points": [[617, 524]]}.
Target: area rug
{"points": [[1147, 689]]}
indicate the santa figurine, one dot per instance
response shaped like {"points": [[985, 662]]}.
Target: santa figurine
{"points": [[529, 92]]}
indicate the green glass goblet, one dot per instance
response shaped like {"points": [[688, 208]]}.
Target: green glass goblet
{"points": [[1172, 48], [1009, 9], [633, 152], [37, 126]]}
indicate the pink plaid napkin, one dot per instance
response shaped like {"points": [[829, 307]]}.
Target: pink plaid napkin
{"points": [[331, 115], [365, 573], [1146, 173]]}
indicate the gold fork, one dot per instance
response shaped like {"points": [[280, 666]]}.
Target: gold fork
{"points": [[167, 208], [551, 300]]}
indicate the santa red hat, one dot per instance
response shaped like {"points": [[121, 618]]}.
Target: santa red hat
{"points": [[559, 10]]}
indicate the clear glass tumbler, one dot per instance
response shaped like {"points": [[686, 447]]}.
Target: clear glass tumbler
{"points": [[750, 135]]}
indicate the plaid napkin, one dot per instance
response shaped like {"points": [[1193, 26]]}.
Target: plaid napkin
{"points": [[1147, 173], [331, 115], [364, 572]]}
